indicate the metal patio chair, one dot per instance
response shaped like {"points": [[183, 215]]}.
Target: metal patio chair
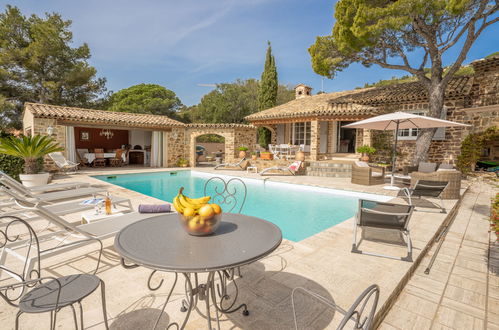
{"points": [[225, 193], [354, 314], [230, 194], [31, 292], [427, 188], [386, 216]]}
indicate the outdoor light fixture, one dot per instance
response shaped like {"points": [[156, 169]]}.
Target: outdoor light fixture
{"points": [[107, 133], [174, 135], [50, 131]]}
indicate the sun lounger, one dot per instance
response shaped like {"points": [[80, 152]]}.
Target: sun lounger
{"points": [[291, 169], [64, 164], [49, 196], [238, 165], [72, 207], [46, 187], [101, 229], [385, 216], [427, 188]]}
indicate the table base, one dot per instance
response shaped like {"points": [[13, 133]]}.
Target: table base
{"points": [[215, 288]]}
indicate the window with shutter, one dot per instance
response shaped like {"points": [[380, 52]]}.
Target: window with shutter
{"points": [[412, 133]]}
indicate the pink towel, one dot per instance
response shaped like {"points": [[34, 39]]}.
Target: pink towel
{"points": [[295, 166]]}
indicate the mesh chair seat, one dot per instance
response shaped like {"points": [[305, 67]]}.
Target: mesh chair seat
{"points": [[74, 288]]}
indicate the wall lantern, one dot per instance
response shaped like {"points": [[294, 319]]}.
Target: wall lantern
{"points": [[50, 131]]}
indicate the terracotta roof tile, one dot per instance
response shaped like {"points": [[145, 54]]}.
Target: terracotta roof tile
{"points": [[92, 116], [359, 102], [221, 125]]}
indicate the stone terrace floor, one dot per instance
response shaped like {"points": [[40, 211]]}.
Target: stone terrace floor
{"points": [[462, 289], [322, 263]]}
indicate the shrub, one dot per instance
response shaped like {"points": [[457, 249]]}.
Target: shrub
{"points": [[368, 150], [242, 148], [182, 162], [472, 146], [11, 165]]}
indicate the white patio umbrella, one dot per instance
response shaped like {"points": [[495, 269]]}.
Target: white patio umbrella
{"points": [[397, 121]]}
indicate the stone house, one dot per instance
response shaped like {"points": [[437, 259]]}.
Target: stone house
{"points": [[316, 121], [155, 140]]}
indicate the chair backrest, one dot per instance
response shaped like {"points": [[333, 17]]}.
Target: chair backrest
{"points": [[367, 302], [295, 166], [58, 158], [9, 182], [230, 194], [384, 215], [444, 166], [118, 154], [18, 236], [99, 150], [430, 188]]}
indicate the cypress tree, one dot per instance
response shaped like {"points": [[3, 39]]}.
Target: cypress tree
{"points": [[267, 93]]}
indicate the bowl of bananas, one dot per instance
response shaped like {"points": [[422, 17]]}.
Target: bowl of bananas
{"points": [[196, 215]]}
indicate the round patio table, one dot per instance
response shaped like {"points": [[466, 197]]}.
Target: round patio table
{"points": [[161, 244]]}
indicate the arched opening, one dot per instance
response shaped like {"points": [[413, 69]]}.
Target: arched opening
{"points": [[210, 150]]}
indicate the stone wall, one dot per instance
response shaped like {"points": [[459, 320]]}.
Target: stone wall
{"points": [[39, 127], [485, 90]]}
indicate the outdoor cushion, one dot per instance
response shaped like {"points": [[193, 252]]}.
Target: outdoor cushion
{"points": [[445, 167], [361, 164], [377, 174], [427, 167]]}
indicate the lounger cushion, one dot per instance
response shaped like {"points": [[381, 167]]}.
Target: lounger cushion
{"points": [[361, 164], [427, 167]]}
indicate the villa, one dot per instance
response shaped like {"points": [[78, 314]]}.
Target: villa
{"points": [[317, 120], [276, 252]]}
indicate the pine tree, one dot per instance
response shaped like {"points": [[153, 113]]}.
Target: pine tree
{"points": [[267, 94]]}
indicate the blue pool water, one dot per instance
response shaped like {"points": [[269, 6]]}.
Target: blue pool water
{"points": [[300, 211]]}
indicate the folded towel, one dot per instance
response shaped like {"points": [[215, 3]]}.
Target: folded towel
{"points": [[151, 208]]}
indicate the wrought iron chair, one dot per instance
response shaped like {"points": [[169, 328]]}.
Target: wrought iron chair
{"points": [[355, 313], [225, 193], [27, 290]]}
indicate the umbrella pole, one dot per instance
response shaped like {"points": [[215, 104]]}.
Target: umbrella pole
{"points": [[394, 158]]}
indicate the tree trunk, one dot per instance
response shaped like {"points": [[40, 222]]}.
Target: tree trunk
{"points": [[436, 94], [30, 166]]}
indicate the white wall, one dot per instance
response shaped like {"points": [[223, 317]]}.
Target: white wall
{"points": [[142, 138]]}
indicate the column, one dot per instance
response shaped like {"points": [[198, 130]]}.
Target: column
{"points": [[315, 140]]}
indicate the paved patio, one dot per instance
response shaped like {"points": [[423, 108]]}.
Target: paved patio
{"points": [[322, 263]]}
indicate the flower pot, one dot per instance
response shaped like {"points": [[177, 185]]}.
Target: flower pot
{"points": [[300, 155], [242, 154], [32, 180], [365, 158], [253, 157], [267, 156]]}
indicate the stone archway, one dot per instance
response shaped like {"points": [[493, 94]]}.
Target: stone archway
{"points": [[228, 150]]}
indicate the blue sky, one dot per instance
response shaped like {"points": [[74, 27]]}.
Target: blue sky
{"points": [[180, 44]]}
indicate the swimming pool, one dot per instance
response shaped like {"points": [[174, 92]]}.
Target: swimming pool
{"points": [[300, 211]]}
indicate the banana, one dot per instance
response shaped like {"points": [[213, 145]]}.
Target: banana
{"points": [[177, 205], [198, 201], [181, 202]]}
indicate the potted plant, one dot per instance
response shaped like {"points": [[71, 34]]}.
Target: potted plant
{"points": [[253, 155], [31, 149], [242, 151], [266, 155], [366, 151], [182, 162]]}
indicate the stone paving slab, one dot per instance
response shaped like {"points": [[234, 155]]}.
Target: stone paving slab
{"points": [[322, 263], [462, 289]]}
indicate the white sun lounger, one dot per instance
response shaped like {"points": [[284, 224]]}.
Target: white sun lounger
{"points": [[47, 187], [49, 196], [101, 229]]}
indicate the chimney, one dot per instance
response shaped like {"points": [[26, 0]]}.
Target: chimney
{"points": [[302, 90]]}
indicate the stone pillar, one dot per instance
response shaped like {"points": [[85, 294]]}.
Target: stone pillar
{"points": [[315, 140], [332, 137]]}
